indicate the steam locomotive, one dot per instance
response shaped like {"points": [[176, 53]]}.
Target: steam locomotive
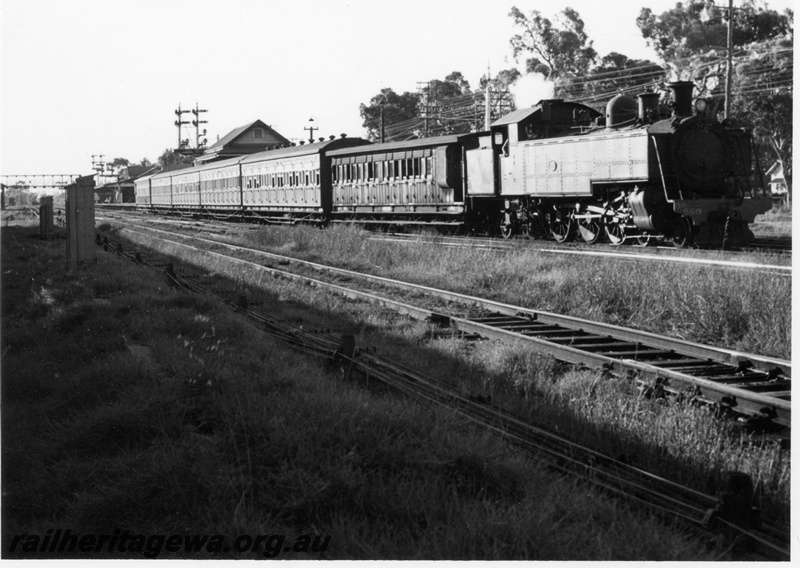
{"points": [[557, 170]]}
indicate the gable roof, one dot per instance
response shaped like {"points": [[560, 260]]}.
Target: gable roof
{"points": [[137, 171], [776, 169], [231, 136]]}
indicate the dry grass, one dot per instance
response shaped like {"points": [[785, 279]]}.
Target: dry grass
{"points": [[687, 443], [776, 222], [221, 430], [742, 310]]}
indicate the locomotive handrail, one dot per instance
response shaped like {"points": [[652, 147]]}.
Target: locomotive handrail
{"points": [[661, 172]]}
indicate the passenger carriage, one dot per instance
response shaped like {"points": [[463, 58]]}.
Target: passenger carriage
{"points": [[401, 182]]}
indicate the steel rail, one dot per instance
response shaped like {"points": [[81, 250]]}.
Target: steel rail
{"points": [[659, 494], [490, 243], [656, 372], [719, 354], [775, 269]]}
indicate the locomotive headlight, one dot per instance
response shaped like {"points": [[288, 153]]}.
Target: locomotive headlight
{"points": [[700, 106]]}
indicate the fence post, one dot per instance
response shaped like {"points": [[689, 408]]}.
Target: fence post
{"points": [[46, 217], [80, 223]]}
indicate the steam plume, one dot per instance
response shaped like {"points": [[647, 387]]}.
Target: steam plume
{"points": [[530, 89]]}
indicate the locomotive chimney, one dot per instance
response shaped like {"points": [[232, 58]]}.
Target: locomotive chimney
{"points": [[681, 97], [648, 106]]}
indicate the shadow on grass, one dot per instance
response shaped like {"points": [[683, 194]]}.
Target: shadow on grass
{"points": [[610, 416], [226, 432]]}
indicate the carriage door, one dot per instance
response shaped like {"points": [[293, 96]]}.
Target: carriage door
{"points": [[504, 142]]}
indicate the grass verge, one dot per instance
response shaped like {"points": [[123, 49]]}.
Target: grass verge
{"points": [[130, 406], [741, 310], [681, 441]]}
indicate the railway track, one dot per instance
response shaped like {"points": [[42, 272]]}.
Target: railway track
{"points": [[674, 502], [750, 385], [651, 254], [733, 259]]}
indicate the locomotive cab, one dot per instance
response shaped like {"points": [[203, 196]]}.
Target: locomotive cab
{"points": [[501, 154]]}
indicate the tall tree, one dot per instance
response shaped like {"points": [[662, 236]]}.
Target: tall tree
{"points": [[447, 106], [763, 84], [458, 79], [171, 158], [698, 25], [393, 108], [562, 50], [616, 73]]}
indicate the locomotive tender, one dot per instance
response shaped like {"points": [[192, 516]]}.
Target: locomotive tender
{"points": [[558, 169]]}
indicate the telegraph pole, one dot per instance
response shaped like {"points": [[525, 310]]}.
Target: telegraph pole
{"points": [[729, 72], [487, 120], [426, 90], [383, 104]]}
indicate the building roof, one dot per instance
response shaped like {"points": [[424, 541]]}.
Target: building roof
{"points": [[236, 143], [137, 171], [776, 170]]}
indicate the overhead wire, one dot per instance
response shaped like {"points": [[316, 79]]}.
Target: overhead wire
{"points": [[464, 108]]}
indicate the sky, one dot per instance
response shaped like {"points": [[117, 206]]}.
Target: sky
{"points": [[91, 77]]}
